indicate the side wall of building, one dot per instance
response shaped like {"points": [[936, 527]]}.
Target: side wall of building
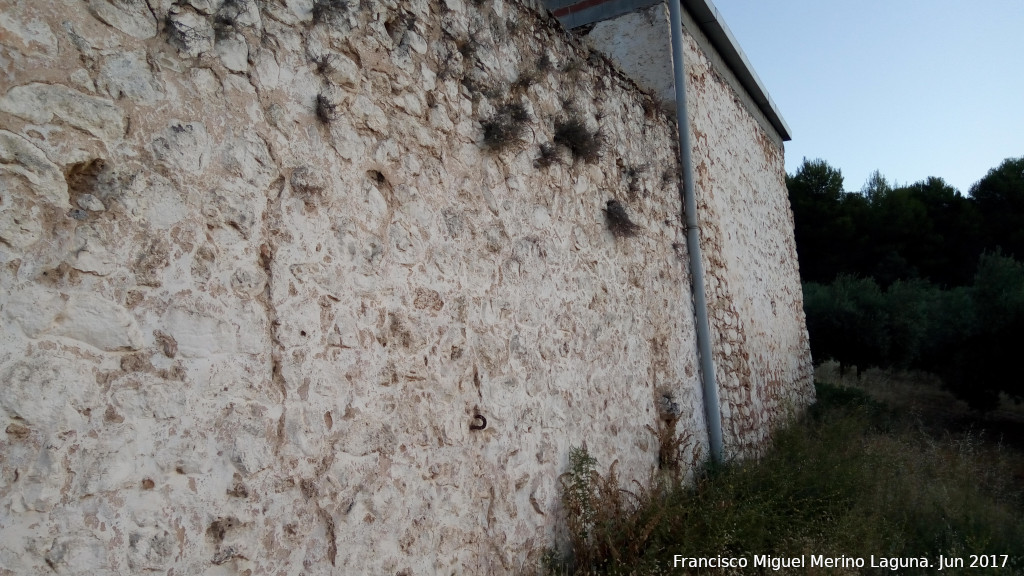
{"points": [[762, 354], [755, 301], [260, 273]]}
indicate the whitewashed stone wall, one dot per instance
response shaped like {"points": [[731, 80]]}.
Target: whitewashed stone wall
{"points": [[259, 274], [755, 302], [754, 295]]}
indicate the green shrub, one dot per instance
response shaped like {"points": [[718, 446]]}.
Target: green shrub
{"points": [[983, 361], [968, 336], [848, 321]]}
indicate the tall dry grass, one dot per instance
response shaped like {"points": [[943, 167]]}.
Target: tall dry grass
{"points": [[854, 477]]}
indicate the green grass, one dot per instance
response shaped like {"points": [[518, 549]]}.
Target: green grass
{"points": [[852, 478]]}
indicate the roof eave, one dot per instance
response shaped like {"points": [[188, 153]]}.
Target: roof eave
{"points": [[574, 13], [714, 27]]}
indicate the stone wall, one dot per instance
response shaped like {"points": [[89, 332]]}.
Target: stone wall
{"points": [[263, 265], [754, 294], [755, 301]]}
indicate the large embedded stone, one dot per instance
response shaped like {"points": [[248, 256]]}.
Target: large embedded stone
{"points": [[133, 17], [46, 394], [39, 102], [33, 309], [98, 322], [183, 146], [234, 53], [191, 33], [199, 335], [31, 33], [20, 158], [128, 74], [20, 225]]}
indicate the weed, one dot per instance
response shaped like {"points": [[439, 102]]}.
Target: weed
{"points": [[609, 526], [225, 23], [618, 221], [574, 66], [326, 108], [552, 563], [223, 29], [493, 91], [324, 63], [182, 36], [516, 111], [544, 63], [633, 171], [548, 156], [669, 444], [632, 174], [578, 495], [330, 11], [479, 89], [468, 48], [584, 144], [669, 175], [512, 26], [649, 105], [476, 89], [668, 441], [399, 25], [525, 80], [500, 133], [505, 129]]}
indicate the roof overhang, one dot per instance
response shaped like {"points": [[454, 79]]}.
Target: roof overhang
{"points": [[575, 13]]}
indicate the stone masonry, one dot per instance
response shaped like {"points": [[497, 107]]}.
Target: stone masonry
{"points": [[267, 266]]}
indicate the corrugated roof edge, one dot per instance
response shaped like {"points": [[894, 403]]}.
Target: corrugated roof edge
{"points": [[714, 27]]}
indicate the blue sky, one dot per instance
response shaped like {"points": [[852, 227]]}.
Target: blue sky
{"points": [[912, 88]]}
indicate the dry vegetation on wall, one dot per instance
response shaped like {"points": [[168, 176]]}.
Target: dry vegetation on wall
{"points": [[583, 143], [618, 220], [506, 128]]}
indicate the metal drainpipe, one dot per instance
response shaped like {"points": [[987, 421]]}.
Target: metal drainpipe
{"points": [[712, 408]]}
